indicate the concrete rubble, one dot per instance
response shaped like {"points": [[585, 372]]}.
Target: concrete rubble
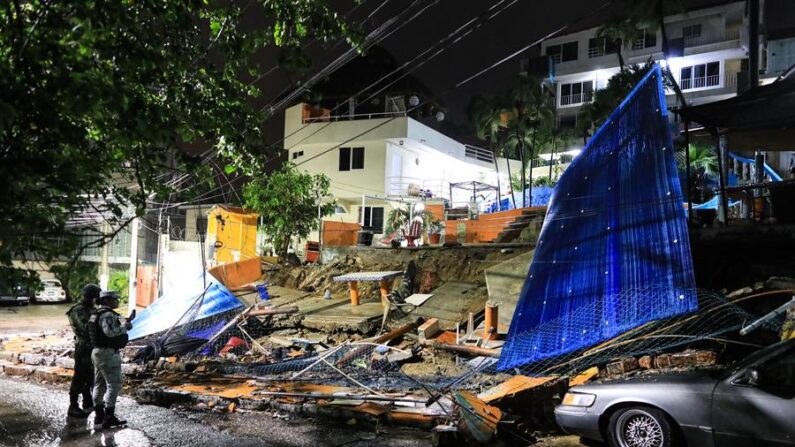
{"points": [[423, 369]]}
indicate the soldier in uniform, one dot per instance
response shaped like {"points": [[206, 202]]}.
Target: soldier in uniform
{"points": [[83, 378], [108, 334]]}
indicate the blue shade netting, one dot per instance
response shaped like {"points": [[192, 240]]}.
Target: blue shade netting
{"points": [[613, 252], [192, 302]]}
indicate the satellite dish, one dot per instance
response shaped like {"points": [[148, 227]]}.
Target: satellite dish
{"points": [[414, 101], [439, 116]]}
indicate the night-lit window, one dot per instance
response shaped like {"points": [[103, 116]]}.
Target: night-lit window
{"points": [[700, 76], [351, 158], [646, 39], [576, 93], [563, 52], [599, 46], [691, 34]]}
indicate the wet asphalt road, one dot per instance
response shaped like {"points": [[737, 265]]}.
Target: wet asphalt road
{"points": [[35, 415], [33, 318]]}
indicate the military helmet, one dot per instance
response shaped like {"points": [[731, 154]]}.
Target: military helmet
{"points": [[106, 295], [91, 291]]}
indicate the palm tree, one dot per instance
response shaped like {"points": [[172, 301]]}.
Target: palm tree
{"points": [[622, 32], [489, 116], [532, 115]]}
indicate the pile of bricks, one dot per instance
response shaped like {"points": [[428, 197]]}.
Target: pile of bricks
{"points": [[684, 359]]}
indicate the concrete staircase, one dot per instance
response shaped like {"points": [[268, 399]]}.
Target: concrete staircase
{"points": [[529, 216]]}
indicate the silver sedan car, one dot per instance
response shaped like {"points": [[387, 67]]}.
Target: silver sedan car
{"points": [[749, 404]]}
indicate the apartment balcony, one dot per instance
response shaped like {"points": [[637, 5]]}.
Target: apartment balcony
{"points": [[400, 186], [700, 82], [575, 99], [478, 153], [729, 34]]}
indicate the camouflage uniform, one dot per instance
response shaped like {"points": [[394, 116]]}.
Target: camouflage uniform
{"points": [[107, 361], [83, 378]]}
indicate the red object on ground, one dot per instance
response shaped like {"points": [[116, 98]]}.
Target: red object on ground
{"points": [[312, 251], [234, 342]]}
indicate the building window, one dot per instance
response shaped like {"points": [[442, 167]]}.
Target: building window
{"points": [[599, 46], [700, 76], [351, 158], [297, 154], [576, 93], [691, 34], [646, 39], [563, 52], [373, 218]]}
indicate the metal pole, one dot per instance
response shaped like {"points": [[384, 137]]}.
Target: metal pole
{"points": [[753, 42], [687, 172], [723, 205], [133, 281]]}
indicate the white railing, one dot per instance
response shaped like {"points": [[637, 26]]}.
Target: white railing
{"points": [[417, 187], [730, 33], [595, 52], [730, 80], [478, 153], [701, 82], [360, 116], [557, 58], [576, 98]]}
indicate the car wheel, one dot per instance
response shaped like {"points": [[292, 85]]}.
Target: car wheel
{"points": [[640, 427]]}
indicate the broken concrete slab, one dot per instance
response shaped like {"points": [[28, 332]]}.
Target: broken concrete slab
{"points": [[505, 281], [452, 302], [687, 358]]}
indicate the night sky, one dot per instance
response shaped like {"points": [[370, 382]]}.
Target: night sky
{"points": [[522, 23]]}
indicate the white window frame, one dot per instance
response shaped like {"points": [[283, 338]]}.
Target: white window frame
{"points": [[574, 100], [694, 83]]}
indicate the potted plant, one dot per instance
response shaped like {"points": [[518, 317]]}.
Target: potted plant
{"points": [[435, 229]]}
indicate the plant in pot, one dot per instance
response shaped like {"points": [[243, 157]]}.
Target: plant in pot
{"points": [[435, 229]]}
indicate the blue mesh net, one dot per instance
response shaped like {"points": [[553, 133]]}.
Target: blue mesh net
{"points": [[613, 253]]}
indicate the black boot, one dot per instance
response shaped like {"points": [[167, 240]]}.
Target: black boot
{"points": [[88, 404], [74, 410], [111, 420], [99, 414]]}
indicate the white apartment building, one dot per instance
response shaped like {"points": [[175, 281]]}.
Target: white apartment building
{"points": [[714, 51], [383, 159]]}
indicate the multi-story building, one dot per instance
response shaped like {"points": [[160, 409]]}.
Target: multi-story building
{"points": [[375, 161], [711, 45]]}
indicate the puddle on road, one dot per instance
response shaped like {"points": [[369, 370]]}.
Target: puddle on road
{"points": [[21, 428]]}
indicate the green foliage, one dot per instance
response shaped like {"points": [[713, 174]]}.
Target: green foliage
{"points": [[287, 201], [544, 181], [703, 157], [74, 276], [435, 226], [622, 31], [396, 219], [120, 282], [594, 114], [97, 99]]}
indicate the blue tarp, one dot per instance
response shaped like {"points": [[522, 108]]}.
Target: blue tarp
{"points": [[167, 310], [613, 252], [541, 196]]}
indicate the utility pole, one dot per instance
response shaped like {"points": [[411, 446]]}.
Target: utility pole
{"points": [[753, 43], [133, 281], [104, 268]]}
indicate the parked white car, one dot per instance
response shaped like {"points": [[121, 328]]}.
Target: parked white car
{"points": [[52, 292]]}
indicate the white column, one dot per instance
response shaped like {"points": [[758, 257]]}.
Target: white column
{"points": [[133, 265]]}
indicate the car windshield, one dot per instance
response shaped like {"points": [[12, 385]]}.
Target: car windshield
{"points": [[756, 356], [51, 283]]}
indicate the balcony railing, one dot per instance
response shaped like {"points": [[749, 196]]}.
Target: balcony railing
{"points": [[701, 82], [478, 153], [576, 98], [417, 187], [730, 33], [361, 116], [595, 52]]}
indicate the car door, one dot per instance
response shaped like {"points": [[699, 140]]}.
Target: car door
{"points": [[757, 412]]}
